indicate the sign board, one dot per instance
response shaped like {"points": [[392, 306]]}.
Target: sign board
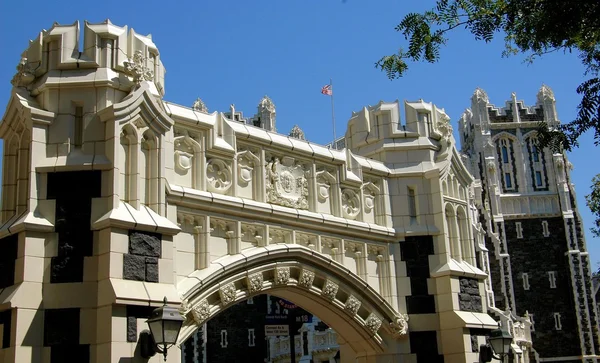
{"points": [[277, 330]]}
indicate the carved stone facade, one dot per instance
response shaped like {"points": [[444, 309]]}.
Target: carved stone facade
{"points": [[538, 261], [114, 198]]}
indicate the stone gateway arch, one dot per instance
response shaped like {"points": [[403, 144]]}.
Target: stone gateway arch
{"points": [[114, 198]]}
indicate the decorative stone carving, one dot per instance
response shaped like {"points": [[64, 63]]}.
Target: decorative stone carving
{"points": [[282, 275], [306, 278], [350, 204], [246, 162], [218, 174], [560, 163], [370, 192], [330, 289], [352, 305], [399, 325], [373, 323], [25, 74], [227, 293], [444, 127], [200, 106], [137, 69], [491, 167], [297, 133], [545, 93], [324, 181], [480, 95], [183, 161], [201, 311], [255, 282], [286, 183]]}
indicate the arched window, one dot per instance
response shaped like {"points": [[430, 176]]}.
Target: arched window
{"points": [[537, 167], [506, 161], [129, 166], [452, 232], [151, 177], [465, 240]]}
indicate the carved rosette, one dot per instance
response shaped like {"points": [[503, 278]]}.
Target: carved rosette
{"points": [[352, 305], [330, 289], [282, 275], [399, 326], [373, 323], [255, 282], [306, 278], [218, 174], [350, 204], [201, 311], [227, 293]]}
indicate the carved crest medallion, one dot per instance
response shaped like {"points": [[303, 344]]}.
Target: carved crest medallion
{"points": [[286, 183]]}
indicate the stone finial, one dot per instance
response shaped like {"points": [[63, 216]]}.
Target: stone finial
{"points": [[266, 104], [480, 95], [137, 69], [545, 94], [199, 105], [297, 133]]}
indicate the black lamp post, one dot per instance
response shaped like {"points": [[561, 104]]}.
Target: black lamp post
{"points": [[164, 323], [499, 343]]}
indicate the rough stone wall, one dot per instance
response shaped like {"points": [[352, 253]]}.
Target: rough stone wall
{"points": [[141, 263], [61, 334], [536, 255], [415, 252], [469, 298], [72, 221]]}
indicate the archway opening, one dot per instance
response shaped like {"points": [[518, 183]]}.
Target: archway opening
{"points": [[260, 329]]}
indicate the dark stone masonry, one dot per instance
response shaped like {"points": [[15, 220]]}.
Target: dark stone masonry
{"points": [[141, 263], [469, 298]]}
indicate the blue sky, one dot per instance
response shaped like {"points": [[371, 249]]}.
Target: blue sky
{"points": [[237, 51]]}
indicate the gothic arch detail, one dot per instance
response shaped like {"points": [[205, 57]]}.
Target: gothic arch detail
{"points": [[298, 274]]}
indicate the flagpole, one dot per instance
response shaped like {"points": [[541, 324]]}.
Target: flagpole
{"points": [[332, 114]]}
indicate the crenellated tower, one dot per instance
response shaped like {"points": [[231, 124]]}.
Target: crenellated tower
{"points": [[539, 264]]}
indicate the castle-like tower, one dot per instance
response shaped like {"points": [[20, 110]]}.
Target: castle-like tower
{"points": [[539, 264]]}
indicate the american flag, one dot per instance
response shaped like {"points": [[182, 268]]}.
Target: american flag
{"points": [[326, 90]]}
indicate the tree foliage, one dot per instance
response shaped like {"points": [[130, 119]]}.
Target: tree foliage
{"points": [[531, 28], [593, 202]]}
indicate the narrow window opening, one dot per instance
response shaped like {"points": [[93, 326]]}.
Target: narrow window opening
{"points": [[251, 338], [519, 228], [545, 230], [557, 321], [250, 300], [223, 338], [78, 129], [525, 281], [504, 154], [552, 279], [508, 180], [538, 179], [412, 205], [535, 153]]}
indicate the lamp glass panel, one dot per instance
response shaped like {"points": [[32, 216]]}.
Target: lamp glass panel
{"points": [[156, 327], [498, 345], [172, 331]]}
